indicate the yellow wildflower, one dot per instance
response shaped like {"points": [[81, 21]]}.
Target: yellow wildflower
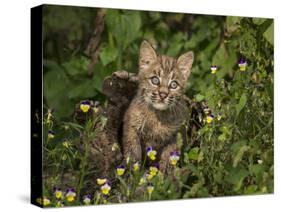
{"points": [[150, 188], [209, 119], [87, 199], [142, 181], [105, 189], [85, 106], [51, 134], [151, 153], [101, 181], [242, 64], [136, 166], [214, 69], [120, 170], [66, 144], [174, 158], [153, 170], [70, 195], [46, 201], [58, 193]]}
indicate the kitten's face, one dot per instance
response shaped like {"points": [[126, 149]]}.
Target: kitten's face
{"points": [[162, 79]]}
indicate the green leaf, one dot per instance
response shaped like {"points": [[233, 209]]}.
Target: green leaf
{"points": [[251, 189], [56, 86], [85, 89], [51, 65], [241, 104], [76, 66], [268, 34], [239, 155], [225, 60], [259, 21], [75, 126], [236, 177], [108, 55], [231, 22], [222, 137], [197, 190], [235, 147], [193, 153], [175, 44], [258, 170], [97, 82], [199, 97], [124, 26]]}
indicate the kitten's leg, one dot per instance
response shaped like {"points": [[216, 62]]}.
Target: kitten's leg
{"points": [[131, 143], [165, 166]]}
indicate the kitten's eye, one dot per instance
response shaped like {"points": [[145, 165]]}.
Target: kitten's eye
{"points": [[173, 85], [155, 80]]}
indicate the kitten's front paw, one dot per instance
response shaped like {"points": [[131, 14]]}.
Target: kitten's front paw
{"points": [[125, 75], [121, 74]]}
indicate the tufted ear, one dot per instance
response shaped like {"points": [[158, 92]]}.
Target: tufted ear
{"points": [[147, 55], [184, 63]]}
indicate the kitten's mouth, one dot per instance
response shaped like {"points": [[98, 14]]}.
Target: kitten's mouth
{"points": [[158, 104]]}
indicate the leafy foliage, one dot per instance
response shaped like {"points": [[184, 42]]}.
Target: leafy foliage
{"points": [[235, 155]]}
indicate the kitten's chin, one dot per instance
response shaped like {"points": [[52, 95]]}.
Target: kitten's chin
{"points": [[160, 106], [157, 106]]}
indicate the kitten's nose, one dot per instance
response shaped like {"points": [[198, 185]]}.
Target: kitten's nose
{"points": [[163, 95]]}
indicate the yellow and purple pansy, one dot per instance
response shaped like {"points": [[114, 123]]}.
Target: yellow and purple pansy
{"points": [[151, 153], [85, 106], [87, 199], [153, 170], [242, 64], [51, 134], [210, 118], [174, 157], [58, 193], [120, 170], [70, 194], [213, 69], [150, 188], [105, 189]]}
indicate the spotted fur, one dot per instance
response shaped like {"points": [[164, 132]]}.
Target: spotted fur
{"points": [[157, 111]]}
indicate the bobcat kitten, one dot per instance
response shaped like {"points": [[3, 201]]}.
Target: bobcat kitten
{"points": [[157, 111]]}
